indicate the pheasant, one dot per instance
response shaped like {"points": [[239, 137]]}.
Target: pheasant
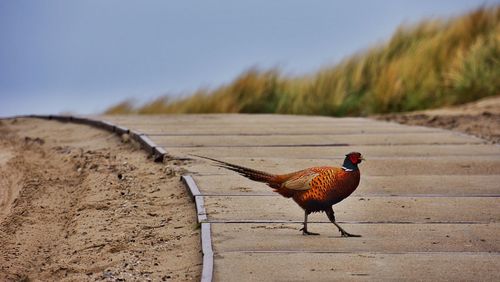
{"points": [[314, 189]]}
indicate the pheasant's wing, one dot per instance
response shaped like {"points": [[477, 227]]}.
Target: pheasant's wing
{"points": [[300, 181]]}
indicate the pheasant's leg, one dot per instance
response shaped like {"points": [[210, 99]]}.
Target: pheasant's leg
{"points": [[304, 229], [331, 217]]}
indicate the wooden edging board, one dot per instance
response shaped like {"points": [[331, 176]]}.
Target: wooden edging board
{"points": [[206, 237]]}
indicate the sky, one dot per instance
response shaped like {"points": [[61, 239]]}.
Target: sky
{"points": [[80, 57]]}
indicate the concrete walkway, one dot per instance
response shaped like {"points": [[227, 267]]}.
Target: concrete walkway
{"points": [[428, 205]]}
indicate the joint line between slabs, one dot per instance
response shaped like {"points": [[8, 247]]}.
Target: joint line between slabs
{"points": [[343, 222], [360, 196], [317, 145], [360, 252], [291, 134]]}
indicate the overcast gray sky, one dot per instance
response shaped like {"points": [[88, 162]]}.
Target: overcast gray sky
{"points": [[83, 56]]}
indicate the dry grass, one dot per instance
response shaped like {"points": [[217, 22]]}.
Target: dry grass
{"points": [[435, 63]]}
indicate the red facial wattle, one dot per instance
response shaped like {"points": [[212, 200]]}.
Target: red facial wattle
{"points": [[355, 159]]}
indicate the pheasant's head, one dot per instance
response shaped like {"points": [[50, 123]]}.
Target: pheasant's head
{"points": [[351, 161], [355, 157]]}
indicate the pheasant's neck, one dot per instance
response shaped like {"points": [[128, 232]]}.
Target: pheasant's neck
{"points": [[349, 166]]}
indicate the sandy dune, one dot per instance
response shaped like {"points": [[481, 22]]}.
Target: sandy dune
{"points": [[480, 118]]}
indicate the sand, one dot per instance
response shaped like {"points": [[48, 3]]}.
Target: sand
{"points": [[78, 203], [480, 118]]}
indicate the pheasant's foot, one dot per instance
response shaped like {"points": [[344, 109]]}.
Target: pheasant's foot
{"points": [[343, 232], [305, 232], [346, 234]]}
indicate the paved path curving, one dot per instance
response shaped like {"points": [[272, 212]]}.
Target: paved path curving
{"points": [[428, 205]]}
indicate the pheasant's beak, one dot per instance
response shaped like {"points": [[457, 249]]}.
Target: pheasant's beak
{"points": [[362, 159]]}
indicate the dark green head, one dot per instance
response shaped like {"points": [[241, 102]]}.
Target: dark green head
{"points": [[352, 160]]}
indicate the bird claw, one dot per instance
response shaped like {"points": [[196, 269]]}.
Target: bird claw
{"points": [[345, 234], [305, 232], [309, 233]]}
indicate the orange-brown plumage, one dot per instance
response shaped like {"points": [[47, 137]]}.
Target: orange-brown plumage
{"points": [[314, 189], [330, 186]]}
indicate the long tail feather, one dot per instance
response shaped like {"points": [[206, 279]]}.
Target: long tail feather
{"points": [[249, 173]]}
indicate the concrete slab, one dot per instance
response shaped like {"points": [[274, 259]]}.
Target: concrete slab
{"points": [[315, 140], [395, 151], [400, 185], [357, 266], [424, 238], [282, 129], [270, 131], [365, 209], [486, 165]]}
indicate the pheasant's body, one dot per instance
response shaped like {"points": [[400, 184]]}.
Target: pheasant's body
{"points": [[314, 189], [329, 186]]}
